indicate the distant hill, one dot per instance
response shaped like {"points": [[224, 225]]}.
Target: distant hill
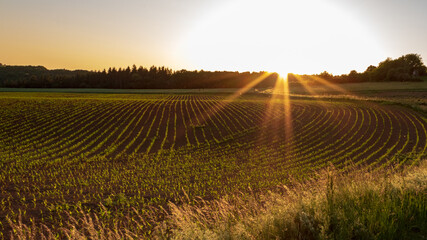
{"points": [[128, 78], [33, 76]]}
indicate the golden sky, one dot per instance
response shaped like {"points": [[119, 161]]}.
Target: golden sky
{"points": [[307, 36]]}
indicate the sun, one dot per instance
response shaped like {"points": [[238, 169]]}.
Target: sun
{"points": [[283, 77], [307, 36]]}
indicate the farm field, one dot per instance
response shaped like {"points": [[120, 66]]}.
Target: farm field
{"points": [[126, 155], [409, 94]]}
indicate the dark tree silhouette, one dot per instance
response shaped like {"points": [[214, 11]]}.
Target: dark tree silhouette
{"points": [[406, 68]]}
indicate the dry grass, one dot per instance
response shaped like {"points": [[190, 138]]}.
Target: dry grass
{"points": [[355, 205]]}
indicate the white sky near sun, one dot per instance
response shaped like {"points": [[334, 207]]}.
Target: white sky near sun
{"points": [[282, 36], [306, 36]]}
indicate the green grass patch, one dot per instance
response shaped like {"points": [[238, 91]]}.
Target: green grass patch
{"points": [[356, 205]]}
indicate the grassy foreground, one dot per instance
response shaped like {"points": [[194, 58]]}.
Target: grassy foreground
{"points": [[358, 204]]}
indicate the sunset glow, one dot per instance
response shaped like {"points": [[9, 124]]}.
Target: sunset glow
{"points": [[213, 119], [308, 36], [276, 35]]}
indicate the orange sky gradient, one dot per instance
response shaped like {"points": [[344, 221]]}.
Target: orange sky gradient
{"points": [[307, 36]]}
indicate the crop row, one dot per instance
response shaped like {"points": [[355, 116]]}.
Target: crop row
{"points": [[63, 153]]}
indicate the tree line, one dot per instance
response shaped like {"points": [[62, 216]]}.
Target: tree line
{"points": [[128, 78], [406, 68]]}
